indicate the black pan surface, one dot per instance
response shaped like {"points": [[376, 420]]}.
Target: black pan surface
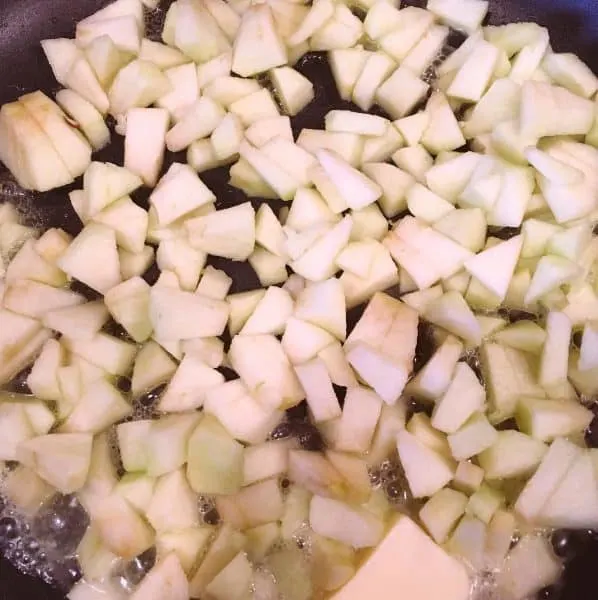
{"points": [[573, 27]]}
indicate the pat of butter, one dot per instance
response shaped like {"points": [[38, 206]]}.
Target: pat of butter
{"points": [[408, 565]]}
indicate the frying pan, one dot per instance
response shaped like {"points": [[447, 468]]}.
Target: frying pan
{"points": [[573, 26]]}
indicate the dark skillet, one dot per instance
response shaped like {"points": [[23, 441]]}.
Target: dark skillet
{"points": [[573, 27]]}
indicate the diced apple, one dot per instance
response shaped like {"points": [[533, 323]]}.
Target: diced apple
{"points": [[60, 459], [139, 84], [317, 385], [167, 577], [546, 420], [512, 454], [209, 471], [100, 406], [441, 513], [434, 379], [426, 470], [464, 396], [412, 90], [529, 567], [258, 46], [34, 299], [240, 414], [339, 521], [71, 146], [475, 436], [28, 152], [161, 55]]}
